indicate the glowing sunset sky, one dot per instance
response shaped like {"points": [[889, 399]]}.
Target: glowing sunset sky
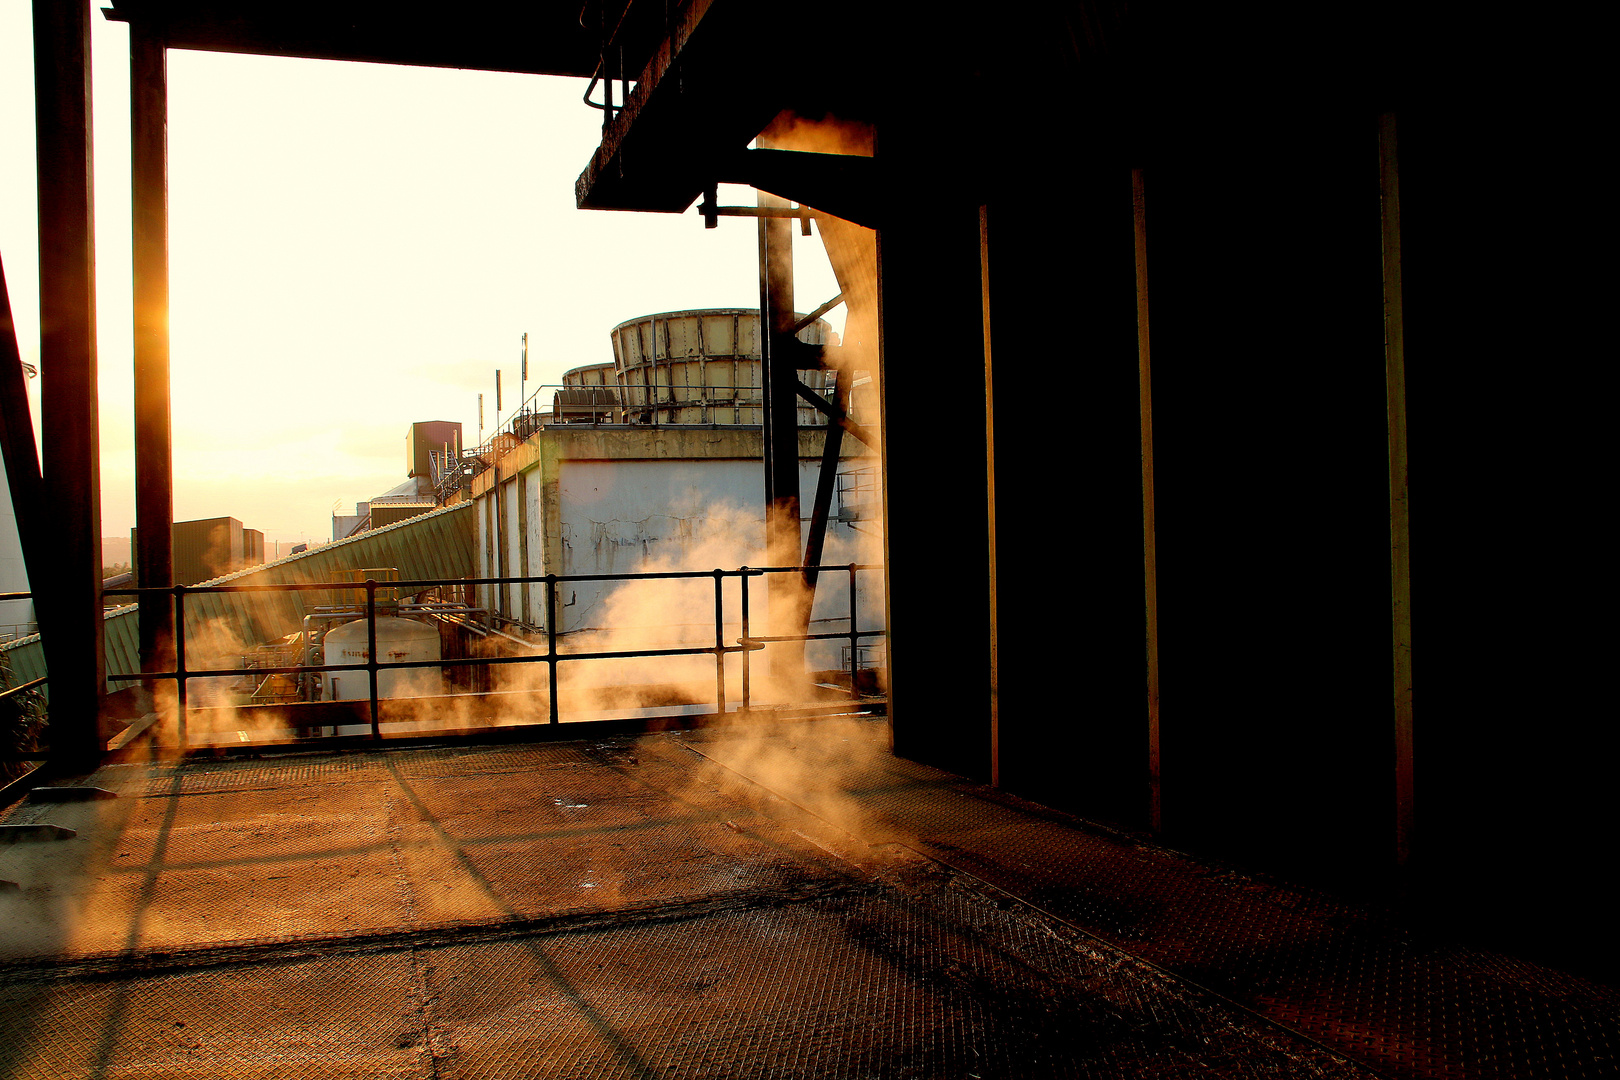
{"points": [[353, 248]]}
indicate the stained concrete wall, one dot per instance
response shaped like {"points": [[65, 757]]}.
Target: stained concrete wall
{"points": [[626, 500]]}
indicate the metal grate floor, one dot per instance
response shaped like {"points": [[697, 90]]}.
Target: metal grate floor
{"points": [[1344, 976], [699, 905]]}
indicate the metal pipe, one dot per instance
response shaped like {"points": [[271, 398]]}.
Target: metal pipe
{"points": [[29, 685]]}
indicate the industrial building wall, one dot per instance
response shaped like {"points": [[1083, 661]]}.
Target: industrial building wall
{"points": [[590, 502], [512, 521], [1271, 442]]}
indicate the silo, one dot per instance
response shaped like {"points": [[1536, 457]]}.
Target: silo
{"points": [[702, 367], [398, 641]]}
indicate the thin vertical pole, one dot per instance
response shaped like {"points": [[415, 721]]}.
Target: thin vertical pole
{"points": [[854, 635], [70, 457], [1150, 552], [181, 697], [990, 496], [154, 472], [551, 645], [371, 654], [719, 640], [1399, 530], [747, 653]]}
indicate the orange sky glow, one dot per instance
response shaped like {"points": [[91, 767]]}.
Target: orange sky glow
{"points": [[353, 248]]}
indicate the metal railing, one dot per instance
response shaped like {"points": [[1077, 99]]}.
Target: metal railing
{"points": [[7, 691], [746, 643]]}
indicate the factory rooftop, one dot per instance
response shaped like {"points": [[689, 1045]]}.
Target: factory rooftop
{"points": [[733, 901]]}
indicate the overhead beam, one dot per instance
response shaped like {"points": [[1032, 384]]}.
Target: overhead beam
{"points": [[843, 185], [723, 73], [542, 37]]}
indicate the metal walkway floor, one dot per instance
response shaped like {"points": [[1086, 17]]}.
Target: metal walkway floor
{"points": [[703, 904]]}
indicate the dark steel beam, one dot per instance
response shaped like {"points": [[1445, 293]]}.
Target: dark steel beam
{"points": [[843, 185], [826, 484], [816, 314], [991, 576], [17, 443], [701, 98], [837, 412], [1399, 527], [535, 38], [1150, 551], [154, 468], [781, 376], [71, 586]]}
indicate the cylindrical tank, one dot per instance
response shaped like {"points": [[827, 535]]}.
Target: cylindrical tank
{"points": [[589, 395], [702, 367], [591, 375], [398, 641]]}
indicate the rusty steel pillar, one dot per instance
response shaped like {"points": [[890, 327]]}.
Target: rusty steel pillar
{"points": [[785, 593], [69, 586], [154, 470]]}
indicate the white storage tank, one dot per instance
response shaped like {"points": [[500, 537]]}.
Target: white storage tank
{"points": [[398, 641], [702, 367]]}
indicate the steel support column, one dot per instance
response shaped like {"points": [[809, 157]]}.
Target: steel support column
{"points": [[154, 468], [1150, 553], [786, 605], [70, 585], [1399, 529]]}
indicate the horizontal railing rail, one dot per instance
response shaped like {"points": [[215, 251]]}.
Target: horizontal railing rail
{"points": [[746, 643]]}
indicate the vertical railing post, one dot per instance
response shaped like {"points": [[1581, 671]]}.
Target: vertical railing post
{"points": [[180, 664], [551, 647], [747, 653], [371, 653], [719, 641], [854, 635]]}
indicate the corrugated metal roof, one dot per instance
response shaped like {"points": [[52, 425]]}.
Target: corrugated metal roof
{"points": [[432, 546]]}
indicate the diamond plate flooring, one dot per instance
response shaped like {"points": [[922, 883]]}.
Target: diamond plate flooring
{"points": [[783, 903]]}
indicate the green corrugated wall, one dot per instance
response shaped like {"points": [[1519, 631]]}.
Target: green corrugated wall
{"points": [[435, 545]]}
